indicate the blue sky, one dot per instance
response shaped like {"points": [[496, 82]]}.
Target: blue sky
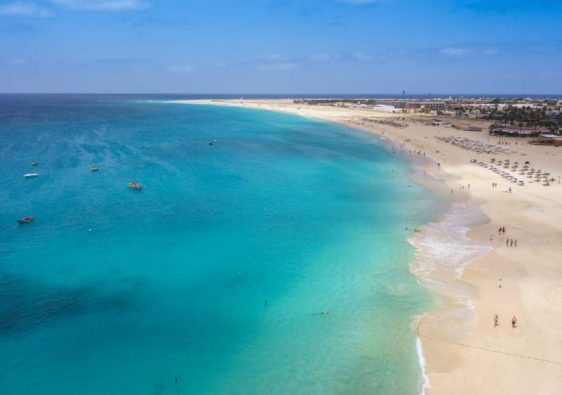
{"points": [[281, 46]]}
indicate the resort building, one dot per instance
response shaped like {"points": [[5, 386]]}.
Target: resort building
{"points": [[512, 131], [386, 108]]}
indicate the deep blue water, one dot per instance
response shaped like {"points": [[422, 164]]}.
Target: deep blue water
{"points": [[217, 272]]}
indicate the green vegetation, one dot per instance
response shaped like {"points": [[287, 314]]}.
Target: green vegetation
{"points": [[525, 117]]}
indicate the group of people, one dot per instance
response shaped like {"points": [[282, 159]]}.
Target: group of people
{"points": [[508, 242], [511, 242], [503, 142], [513, 321], [495, 185]]}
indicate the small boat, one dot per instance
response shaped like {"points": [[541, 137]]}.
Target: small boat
{"points": [[34, 163], [26, 220], [135, 185], [94, 169], [31, 175]]}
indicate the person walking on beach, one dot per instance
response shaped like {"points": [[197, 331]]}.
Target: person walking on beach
{"points": [[514, 322], [507, 242], [499, 282], [515, 242], [496, 321]]}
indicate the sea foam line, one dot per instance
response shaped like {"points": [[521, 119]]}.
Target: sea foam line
{"points": [[444, 246], [426, 385]]}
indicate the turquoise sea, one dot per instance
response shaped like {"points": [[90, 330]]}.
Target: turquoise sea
{"points": [[273, 261]]}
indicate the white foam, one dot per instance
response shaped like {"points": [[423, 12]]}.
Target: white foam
{"points": [[444, 245], [443, 250], [421, 360]]}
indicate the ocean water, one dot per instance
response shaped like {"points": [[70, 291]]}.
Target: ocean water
{"points": [[273, 261]]}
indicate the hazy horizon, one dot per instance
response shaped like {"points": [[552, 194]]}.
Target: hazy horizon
{"points": [[312, 95]]}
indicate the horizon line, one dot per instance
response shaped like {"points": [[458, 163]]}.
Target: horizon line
{"points": [[358, 95]]}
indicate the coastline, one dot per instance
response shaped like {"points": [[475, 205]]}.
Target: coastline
{"points": [[464, 353]]}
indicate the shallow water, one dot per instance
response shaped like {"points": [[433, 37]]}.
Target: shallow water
{"points": [[443, 251], [218, 271]]}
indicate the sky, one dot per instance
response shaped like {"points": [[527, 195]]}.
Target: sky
{"points": [[281, 46]]}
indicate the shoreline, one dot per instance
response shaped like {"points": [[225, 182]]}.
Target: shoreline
{"points": [[463, 352]]}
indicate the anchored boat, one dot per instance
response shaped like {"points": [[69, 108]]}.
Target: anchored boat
{"points": [[26, 220], [135, 185]]}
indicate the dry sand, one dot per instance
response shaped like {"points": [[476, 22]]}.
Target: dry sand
{"points": [[466, 354]]}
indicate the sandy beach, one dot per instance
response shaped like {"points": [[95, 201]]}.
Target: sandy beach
{"points": [[465, 352]]}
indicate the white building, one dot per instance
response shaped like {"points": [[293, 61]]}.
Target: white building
{"points": [[386, 108], [437, 122]]}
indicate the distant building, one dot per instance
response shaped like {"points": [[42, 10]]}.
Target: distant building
{"points": [[434, 105], [548, 139], [412, 104], [512, 131], [526, 105], [437, 122], [386, 108]]}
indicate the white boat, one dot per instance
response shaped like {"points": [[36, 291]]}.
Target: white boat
{"points": [[31, 175]]}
